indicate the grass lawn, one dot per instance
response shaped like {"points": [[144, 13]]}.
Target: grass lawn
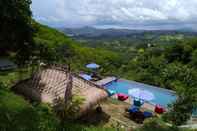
{"points": [[17, 114], [9, 78]]}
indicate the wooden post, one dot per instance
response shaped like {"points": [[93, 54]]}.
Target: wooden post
{"points": [[68, 91]]}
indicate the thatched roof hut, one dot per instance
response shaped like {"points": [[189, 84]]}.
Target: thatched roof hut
{"points": [[45, 85], [92, 93], [52, 83]]}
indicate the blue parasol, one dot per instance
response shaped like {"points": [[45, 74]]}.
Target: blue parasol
{"points": [[141, 94], [92, 66]]}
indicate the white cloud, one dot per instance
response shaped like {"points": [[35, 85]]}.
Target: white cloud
{"points": [[115, 12]]}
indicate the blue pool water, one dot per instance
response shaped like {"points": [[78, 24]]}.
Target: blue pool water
{"points": [[163, 97]]}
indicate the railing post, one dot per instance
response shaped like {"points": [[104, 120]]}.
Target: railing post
{"points": [[68, 92]]}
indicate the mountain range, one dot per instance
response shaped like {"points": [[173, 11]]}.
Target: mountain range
{"points": [[92, 33]]}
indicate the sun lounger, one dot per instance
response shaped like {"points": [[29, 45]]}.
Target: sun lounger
{"points": [[138, 116], [133, 109], [147, 114]]}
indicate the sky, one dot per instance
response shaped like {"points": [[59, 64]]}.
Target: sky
{"points": [[133, 14]]}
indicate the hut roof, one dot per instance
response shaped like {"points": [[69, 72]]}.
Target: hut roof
{"points": [[50, 84], [91, 92]]}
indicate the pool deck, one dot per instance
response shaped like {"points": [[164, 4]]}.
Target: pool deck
{"points": [[146, 105], [105, 81]]}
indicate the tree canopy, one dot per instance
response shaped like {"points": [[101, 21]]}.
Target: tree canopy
{"points": [[16, 31]]}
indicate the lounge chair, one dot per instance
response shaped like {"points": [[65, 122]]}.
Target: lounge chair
{"points": [[147, 114], [133, 109], [135, 114]]}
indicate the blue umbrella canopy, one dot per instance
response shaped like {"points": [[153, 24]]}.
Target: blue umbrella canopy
{"points": [[92, 66], [86, 76]]}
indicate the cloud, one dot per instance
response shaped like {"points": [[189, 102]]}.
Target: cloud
{"points": [[125, 13]]}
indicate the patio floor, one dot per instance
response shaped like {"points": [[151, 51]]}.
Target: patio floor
{"points": [[116, 109], [113, 115]]}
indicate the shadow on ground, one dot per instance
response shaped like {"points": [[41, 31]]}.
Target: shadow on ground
{"points": [[94, 118]]}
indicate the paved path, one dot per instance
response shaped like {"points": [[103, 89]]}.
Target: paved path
{"points": [[105, 81]]}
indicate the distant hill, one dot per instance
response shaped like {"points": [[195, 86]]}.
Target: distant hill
{"points": [[120, 40], [92, 33], [95, 32]]}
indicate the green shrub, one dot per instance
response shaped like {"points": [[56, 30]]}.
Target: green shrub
{"points": [[156, 124], [68, 110]]}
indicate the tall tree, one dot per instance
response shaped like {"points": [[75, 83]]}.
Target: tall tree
{"points": [[15, 28], [185, 85]]}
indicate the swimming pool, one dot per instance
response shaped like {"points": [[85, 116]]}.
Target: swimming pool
{"points": [[162, 97]]}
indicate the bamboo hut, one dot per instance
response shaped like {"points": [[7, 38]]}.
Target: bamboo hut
{"points": [[92, 93], [54, 82]]}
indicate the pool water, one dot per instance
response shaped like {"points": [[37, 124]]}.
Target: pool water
{"points": [[162, 97]]}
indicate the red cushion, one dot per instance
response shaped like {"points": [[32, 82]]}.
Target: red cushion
{"points": [[159, 109], [122, 97]]}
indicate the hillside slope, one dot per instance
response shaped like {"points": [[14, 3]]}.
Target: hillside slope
{"points": [[51, 46], [59, 47]]}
